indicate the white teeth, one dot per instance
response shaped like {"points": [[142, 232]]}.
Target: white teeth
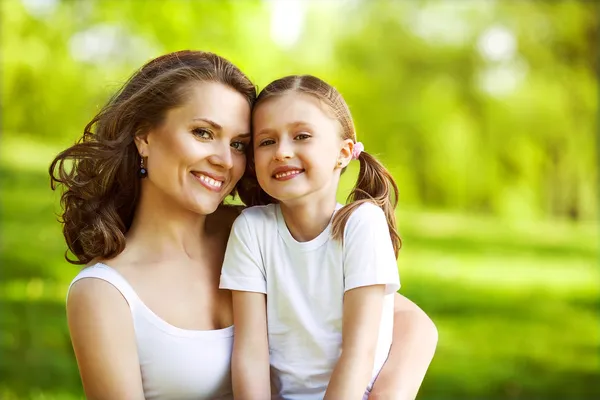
{"points": [[284, 174], [210, 181]]}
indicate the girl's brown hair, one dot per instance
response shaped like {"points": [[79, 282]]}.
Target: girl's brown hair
{"points": [[375, 184], [99, 173]]}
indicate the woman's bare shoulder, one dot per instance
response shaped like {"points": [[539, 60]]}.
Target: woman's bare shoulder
{"points": [[103, 338], [91, 295]]}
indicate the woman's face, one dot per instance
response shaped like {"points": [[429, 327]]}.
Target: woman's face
{"points": [[198, 154]]}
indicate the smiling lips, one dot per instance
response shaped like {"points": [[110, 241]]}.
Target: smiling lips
{"points": [[286, 173], [212, 183]]}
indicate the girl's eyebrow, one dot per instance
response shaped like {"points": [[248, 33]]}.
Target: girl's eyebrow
{"points": [[264, 132], [291, 124], [299, 123]]}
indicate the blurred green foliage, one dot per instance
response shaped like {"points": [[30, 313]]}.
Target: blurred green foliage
{"points": [[485, 112]]}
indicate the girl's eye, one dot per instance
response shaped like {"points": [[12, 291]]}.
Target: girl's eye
{"points": [[202, 133], [266, 142], [302, 136], [239, 146]]}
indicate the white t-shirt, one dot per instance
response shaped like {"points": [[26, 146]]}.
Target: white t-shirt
{"points": [[305, 284]]}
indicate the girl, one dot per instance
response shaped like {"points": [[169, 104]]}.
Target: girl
{"points": [[314, 277]]}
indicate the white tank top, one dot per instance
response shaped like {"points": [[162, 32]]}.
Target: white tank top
{"points": [[175, 363]]}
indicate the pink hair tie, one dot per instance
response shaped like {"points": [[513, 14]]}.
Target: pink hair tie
{"points": [[358, 148]]}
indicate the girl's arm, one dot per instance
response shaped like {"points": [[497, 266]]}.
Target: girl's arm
{"points": [[413, 347], [244, 274], [103, 339], [250, 362], [360, 332]]}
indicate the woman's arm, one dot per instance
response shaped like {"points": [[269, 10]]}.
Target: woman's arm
{"points": [[413, 347], [360, 331], [103, 339], [250, 362]]}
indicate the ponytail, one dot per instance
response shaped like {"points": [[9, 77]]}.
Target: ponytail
{"points": [[376, 185]]}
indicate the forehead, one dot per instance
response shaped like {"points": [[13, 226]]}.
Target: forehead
{"points": [[292, 107], [217, 102]]}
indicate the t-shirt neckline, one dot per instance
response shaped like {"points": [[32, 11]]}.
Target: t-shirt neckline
{"points": [[321, 239]]}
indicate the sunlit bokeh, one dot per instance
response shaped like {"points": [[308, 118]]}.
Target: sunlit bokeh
{"points": [[485, 111]]}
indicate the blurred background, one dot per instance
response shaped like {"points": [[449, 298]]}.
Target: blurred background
{"points": [[485, 112]]}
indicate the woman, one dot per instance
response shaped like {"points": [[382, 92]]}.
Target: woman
{"points": [[143, 210]]}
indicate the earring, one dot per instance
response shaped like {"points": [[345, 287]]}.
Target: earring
{"points": [[143, 170], [339, 163]]}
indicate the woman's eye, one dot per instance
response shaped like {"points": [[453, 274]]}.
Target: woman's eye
{"points": [[239, 146], [302, 136], [266, 142], [202, 133]]}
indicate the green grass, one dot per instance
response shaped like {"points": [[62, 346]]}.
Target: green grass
{"points": [[516, 303]]}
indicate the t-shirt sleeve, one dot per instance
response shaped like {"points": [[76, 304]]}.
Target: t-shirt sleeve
{"points": [[243, 269], [369, 257]]}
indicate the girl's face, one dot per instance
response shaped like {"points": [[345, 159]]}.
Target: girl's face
{"points": [[297, 147], [197, 155]]}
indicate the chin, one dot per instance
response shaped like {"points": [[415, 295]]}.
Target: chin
{"points": [[205, 203], [288, 190], [205, 207], [286, 196]]}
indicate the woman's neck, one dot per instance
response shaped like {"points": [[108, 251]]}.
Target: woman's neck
{"points": [[163, 230], [307, 220]]}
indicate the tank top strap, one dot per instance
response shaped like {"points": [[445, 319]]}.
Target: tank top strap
{"points": [[110, 275]]}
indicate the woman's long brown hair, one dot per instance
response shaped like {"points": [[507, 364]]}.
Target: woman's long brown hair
{"points": [[99, 174]]}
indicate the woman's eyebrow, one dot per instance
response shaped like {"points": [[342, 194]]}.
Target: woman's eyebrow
{"points": [[219, 127], [210, 122]]}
